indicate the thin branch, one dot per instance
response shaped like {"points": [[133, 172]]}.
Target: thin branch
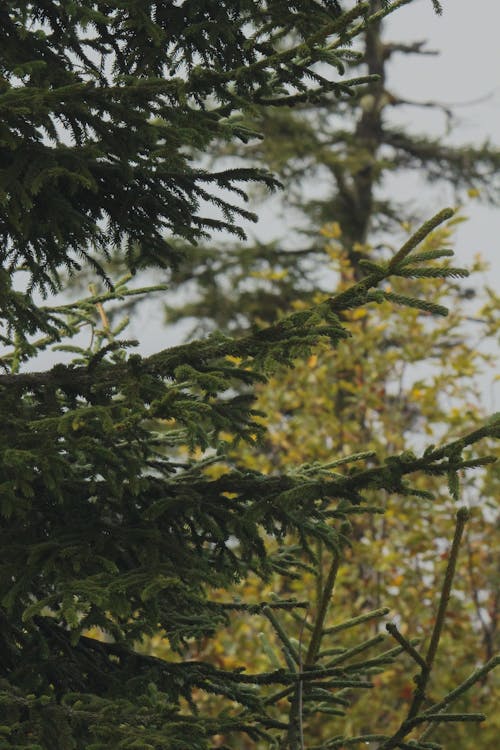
{"points": [[318, 629], [374, 641], [476, 676], [300, 687], [357, 620], [407, 646], [281, 634], [462, 518]]}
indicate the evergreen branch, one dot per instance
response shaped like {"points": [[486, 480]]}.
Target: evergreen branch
{"points": [[324, 603], [198, 673], [418, 237], [375, 613], [476, 676], [476, 463], [418, 304], [374, 18], [96, 299], [282, 635], [407, 646], [432, 273], [462, 518], [299, 54], [359, 648], [361, 456], [165, 363], [318, 95], [458, 692], [275, 697], [387, 475], [427, 255]]}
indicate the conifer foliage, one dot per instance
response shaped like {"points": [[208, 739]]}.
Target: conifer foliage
{"points": [[111, 525]]}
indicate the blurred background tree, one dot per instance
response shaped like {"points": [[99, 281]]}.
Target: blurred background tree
{"points": [[334, 159]]}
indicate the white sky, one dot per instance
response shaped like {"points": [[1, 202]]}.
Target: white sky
{"points": [[467, 70]]}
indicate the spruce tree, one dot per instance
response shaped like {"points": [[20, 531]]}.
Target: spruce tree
{"points": [[113, 525]]}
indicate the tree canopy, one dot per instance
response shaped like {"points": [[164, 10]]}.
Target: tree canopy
{"points": [[113, 525]]}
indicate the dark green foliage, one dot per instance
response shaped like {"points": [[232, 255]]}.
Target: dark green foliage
{"points": [[101, 104], [111, 521]]}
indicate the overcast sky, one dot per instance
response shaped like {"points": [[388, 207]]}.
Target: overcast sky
{"points": [[467, 70]]}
